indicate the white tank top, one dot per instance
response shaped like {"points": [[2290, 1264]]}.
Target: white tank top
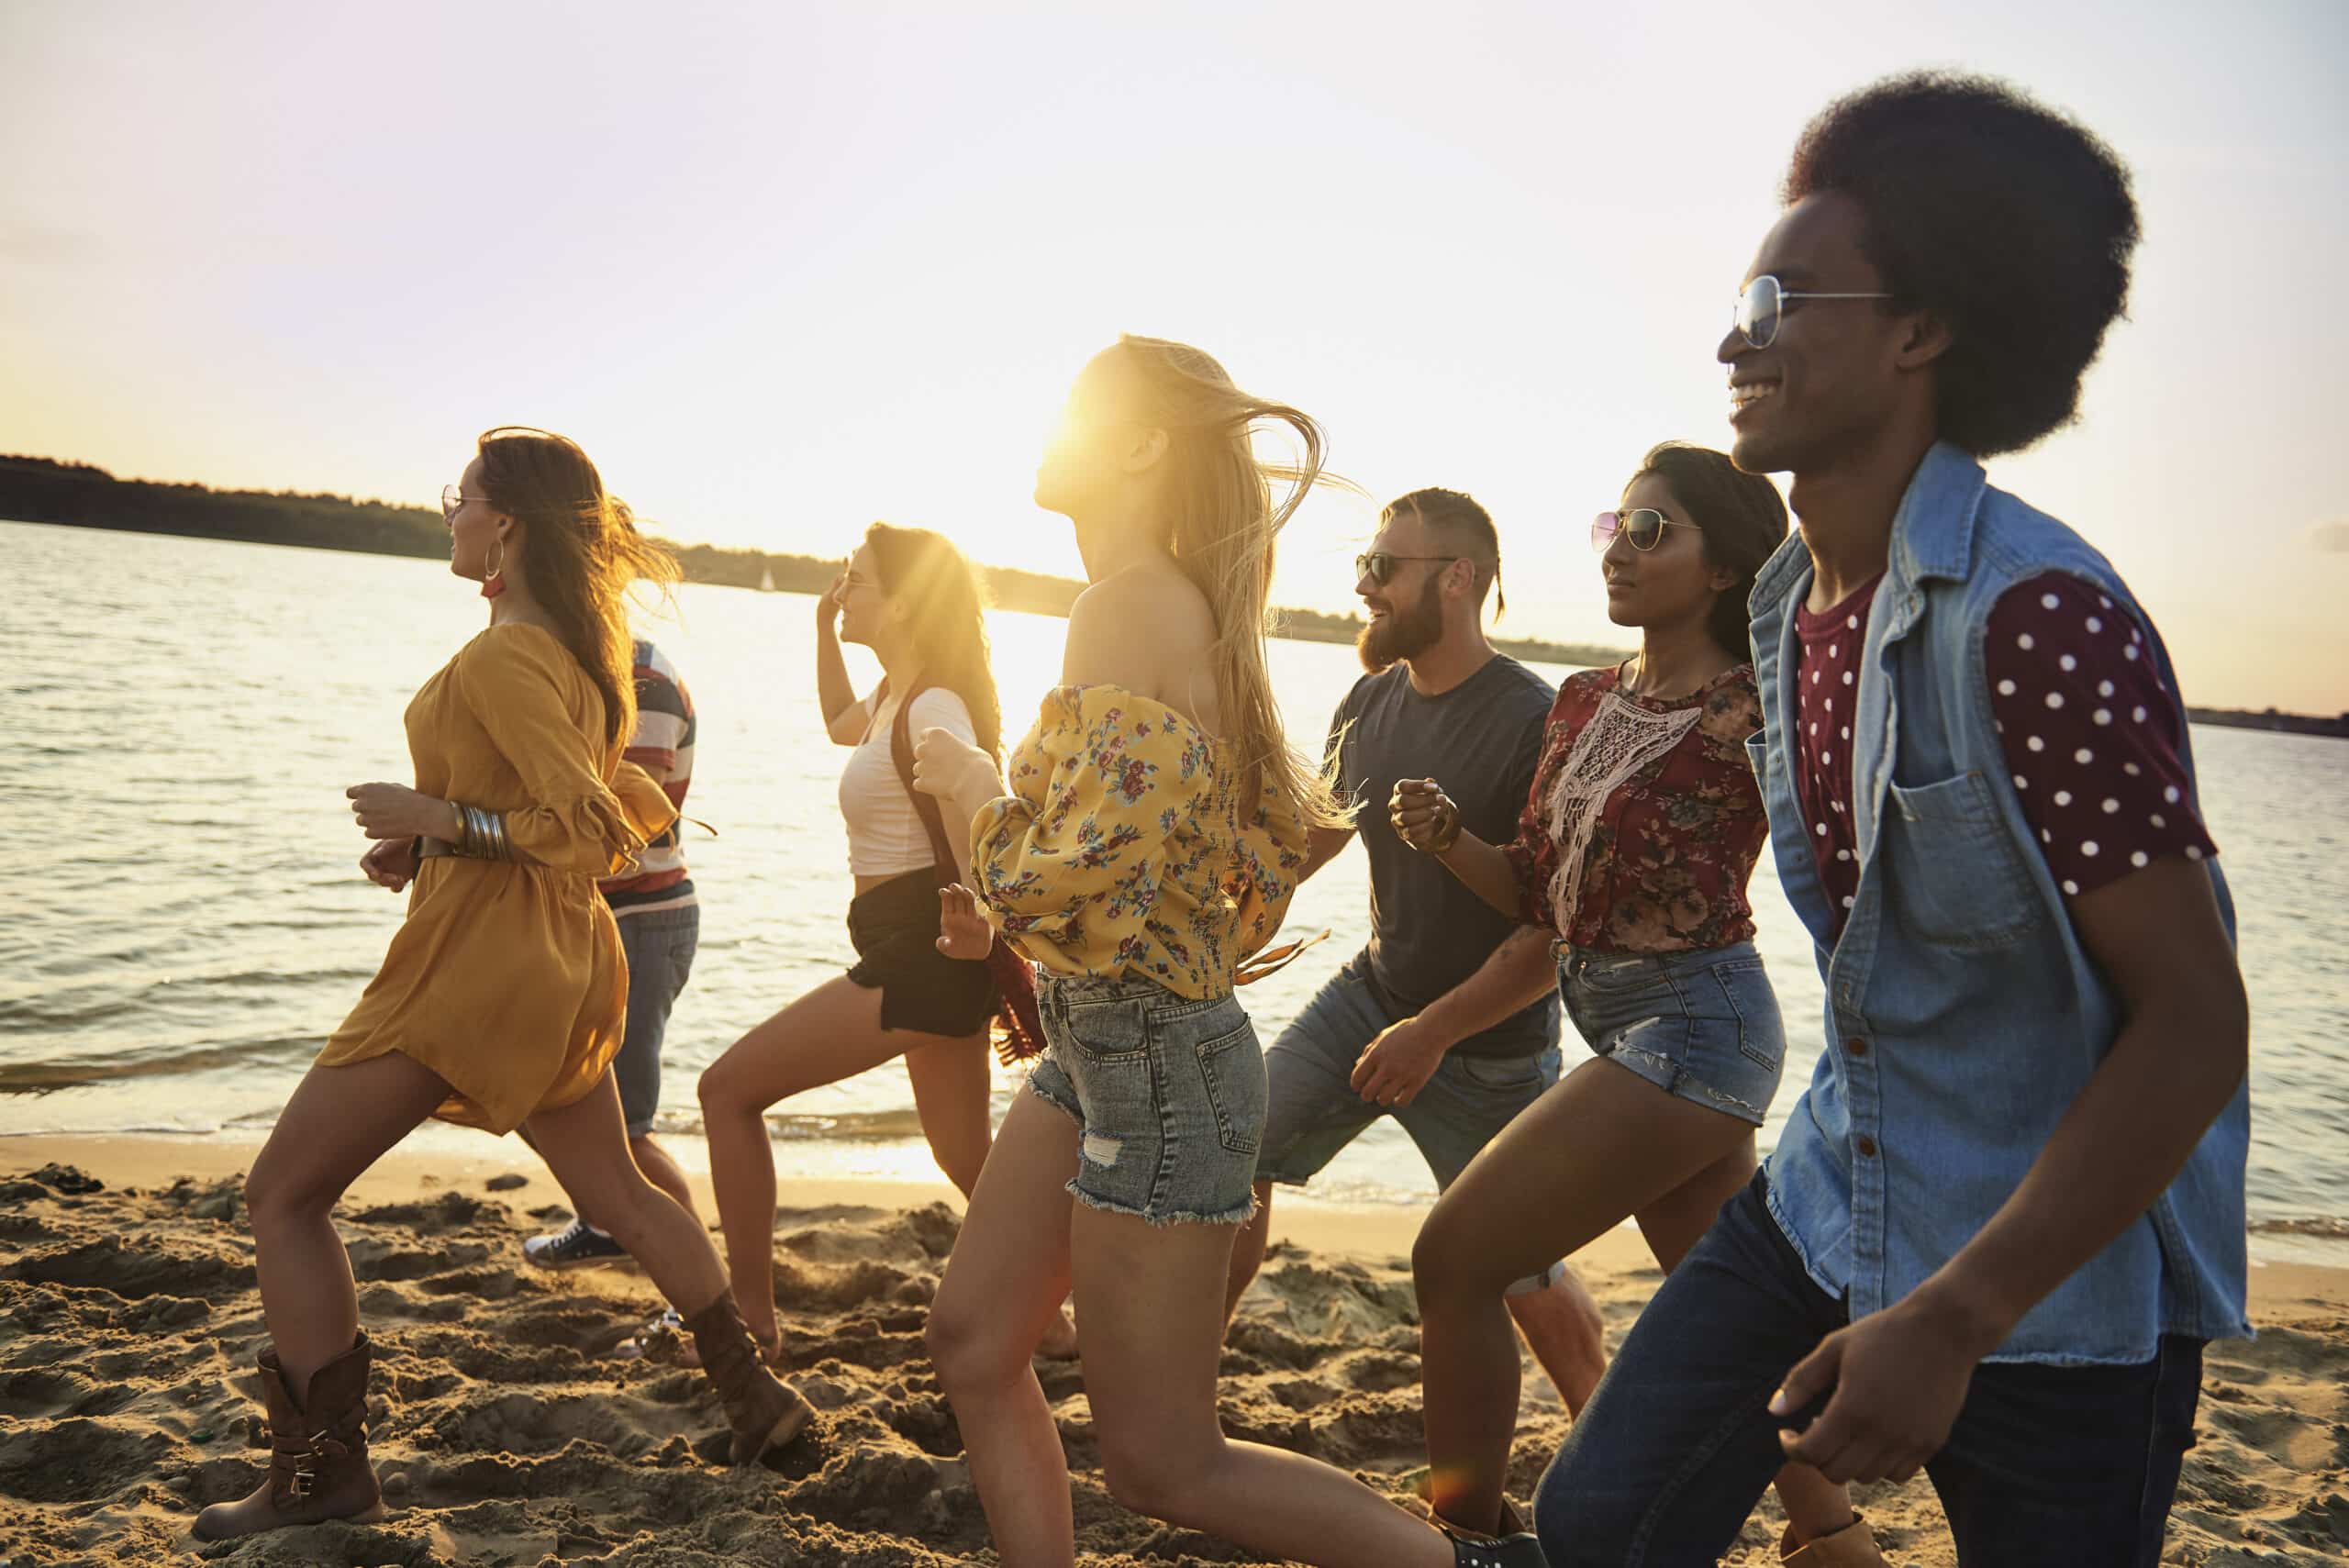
{"points": [[885, 837]]}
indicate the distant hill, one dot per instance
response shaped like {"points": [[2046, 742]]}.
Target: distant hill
{"points": [[41, 490]]}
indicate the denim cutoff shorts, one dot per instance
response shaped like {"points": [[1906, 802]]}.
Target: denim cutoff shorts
{"points": [[1167, 1092], [1702, 1026]]}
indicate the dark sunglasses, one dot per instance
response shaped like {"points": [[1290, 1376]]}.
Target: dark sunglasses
{"points": [[1763, 306], [452, 498], [1644, 526], [1379, 566]]}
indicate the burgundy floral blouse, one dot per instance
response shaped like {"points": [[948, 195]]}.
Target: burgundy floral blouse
{"points": [[1671, 849]]}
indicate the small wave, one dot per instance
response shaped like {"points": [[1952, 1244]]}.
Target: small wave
{"points": [[46, 1077], [840, 1127], [2329, 1229]]}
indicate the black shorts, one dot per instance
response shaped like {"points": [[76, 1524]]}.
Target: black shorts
{"points": [[895, 929]]}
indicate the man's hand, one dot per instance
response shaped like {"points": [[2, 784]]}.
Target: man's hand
{"points": [[1896, 1381], [1395, 1067]]}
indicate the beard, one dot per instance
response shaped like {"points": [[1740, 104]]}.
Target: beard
{"points": [[1407, 631]]}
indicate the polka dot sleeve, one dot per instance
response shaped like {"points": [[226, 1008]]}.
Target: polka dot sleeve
{"points": [[2091, 736]]}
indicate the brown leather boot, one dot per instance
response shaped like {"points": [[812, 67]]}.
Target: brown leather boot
{"points": [[318, 1467], [764, 1411], [1853, 1546]]}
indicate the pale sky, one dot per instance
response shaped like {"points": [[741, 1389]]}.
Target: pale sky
{"points": [[784, 269]]}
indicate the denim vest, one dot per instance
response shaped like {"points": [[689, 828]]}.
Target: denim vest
{"points": [[1962, 1014]]}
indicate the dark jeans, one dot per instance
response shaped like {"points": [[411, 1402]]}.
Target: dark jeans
{"points": [[2055, 1465]]}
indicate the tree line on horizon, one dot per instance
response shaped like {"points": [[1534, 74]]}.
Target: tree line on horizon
{"points": [[80, 495]]}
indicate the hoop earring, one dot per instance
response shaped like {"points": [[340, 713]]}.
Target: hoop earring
{"points": [[493, 580]]}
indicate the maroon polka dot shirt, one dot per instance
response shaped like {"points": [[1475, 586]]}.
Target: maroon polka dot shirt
{"points": [[2091, 740]]}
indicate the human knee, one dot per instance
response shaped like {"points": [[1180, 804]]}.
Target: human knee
{"points": [[1447, 1270], [1149, 1476], [970, 1349], [275, 1194]]}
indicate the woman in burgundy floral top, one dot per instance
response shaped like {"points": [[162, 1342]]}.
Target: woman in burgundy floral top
{"points": [[1635, 846]]}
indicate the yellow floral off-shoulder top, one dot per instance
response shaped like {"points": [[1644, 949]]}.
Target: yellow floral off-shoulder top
{"points": [[1122, 851]]}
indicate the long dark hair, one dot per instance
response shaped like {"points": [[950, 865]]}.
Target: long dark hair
{"points": [[1742, 520], [945, 617], [581, 554]]}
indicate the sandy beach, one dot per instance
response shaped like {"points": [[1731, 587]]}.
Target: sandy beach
{"points": [[508, 1429]]}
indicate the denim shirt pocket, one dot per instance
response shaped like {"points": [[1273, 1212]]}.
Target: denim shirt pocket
{"points": [[1954, 873]]}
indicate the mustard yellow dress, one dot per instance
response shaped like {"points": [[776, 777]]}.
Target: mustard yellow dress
{"points": [[507, 978]]}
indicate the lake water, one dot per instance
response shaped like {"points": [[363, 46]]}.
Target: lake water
{"points": [[183, 919]]}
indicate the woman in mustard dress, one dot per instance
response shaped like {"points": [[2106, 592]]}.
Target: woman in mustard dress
{"points": [[501, 1002], [1154, 832]]}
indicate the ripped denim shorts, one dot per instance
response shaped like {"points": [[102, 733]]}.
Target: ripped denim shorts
{"points": [[1702, 1026], [1167, 1092]]}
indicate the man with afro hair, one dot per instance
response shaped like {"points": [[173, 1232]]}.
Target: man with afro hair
{"points": [[2009, 1211]]}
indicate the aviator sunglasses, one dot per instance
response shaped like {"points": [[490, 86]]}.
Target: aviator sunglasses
{"points": [[1762, 306], [1379, 566], [1644, 526]]}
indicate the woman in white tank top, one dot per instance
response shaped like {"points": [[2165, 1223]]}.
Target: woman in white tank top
{"points": [[910, 595]]}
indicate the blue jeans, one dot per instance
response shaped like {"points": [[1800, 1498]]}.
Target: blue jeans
{"points": [[660, 945], [2069, 1465]]}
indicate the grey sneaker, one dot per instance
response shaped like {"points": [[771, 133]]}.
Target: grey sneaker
{"points": [[573, 1246]]}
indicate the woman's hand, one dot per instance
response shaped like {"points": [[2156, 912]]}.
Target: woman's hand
{"points": [[390, 862], [951, 768], [395, 811], [828, 607], [963, 931], [1424, 816]]}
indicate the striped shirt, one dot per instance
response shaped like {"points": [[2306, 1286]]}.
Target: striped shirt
{"points": [[664, 746]]}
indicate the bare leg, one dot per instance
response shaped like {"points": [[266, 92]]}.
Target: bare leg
{"points": [[1008, 1277], [1562, 1327], [1149, 1302], [339, 1121], [1597, 1146], [950, 1084], [833, 1032], [585, 1145], [663, 1172], [1248, 1252]]}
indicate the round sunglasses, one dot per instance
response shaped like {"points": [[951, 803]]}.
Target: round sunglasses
{"points": [[1762, 305], [1644, 526]]}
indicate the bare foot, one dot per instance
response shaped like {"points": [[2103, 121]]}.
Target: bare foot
{"points": [[1059, 1339]]}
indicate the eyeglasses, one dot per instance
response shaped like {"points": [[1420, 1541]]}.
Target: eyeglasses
{"points": [[1379, 566], [452, 498], [1644, 526], [1762, 306]]}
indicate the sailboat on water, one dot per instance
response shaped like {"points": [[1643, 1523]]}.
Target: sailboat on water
{"points": [[766, 579]]}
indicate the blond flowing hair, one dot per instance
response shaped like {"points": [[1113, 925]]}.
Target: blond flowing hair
{"points": [[1223, 517]]}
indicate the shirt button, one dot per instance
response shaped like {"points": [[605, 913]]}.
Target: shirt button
{"points": [[1856, 1046], [1865, 1145]]}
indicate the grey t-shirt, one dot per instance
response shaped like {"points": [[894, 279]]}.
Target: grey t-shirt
{"points": [[1481, 741]]}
